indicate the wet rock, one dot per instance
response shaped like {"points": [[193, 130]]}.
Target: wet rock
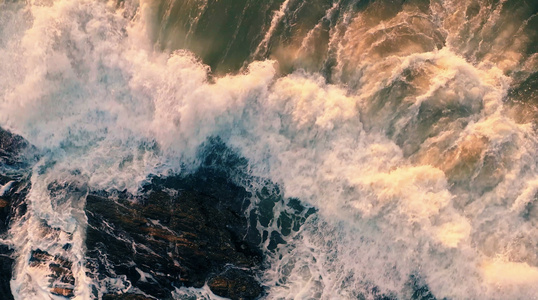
{"points": [[180, 231], [4, 214], [13, 201], [14, 181], [63, 274], [15, 151], [6, 267], [235, 284], [62, 281], [39, 256], [11, 144], [172, 235], [66, 292], [126, 297], [6, 254], [6, 259], [15, 186]]}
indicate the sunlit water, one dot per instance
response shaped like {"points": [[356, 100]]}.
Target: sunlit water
{"points": [[410, 127]]}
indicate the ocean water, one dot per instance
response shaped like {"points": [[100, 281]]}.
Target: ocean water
{"points": [[409, 126]]}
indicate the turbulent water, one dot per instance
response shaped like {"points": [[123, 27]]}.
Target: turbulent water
{"points": [[411, 126]]}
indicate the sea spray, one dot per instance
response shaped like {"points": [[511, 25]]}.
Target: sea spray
{"points": [[398, 135]]}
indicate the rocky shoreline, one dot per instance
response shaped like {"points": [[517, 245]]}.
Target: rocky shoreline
{"points": [[178, 232]]}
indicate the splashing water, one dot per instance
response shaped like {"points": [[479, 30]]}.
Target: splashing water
{"points": [[400, 133]]}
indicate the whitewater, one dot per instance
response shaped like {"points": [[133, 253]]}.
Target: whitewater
{"points": [[399, 123]]}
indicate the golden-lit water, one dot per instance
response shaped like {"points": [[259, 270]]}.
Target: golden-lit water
{"points": [[409, 125]]}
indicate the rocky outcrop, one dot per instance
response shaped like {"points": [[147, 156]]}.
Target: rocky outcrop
{"points": [[11, 147], [126, 297], [62, 281], [6, 267], [180, 231], [14, 183], [235, 284], [14, 187], [175, 235]]}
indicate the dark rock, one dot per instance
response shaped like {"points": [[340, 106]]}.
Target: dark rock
{"points": [[66, 292], [181, 231], [62, 281], [5, 209], [11, 144], [15, 151], [12, 203], [62, 273], [235, 284], [174, 235], [39, 256], [6, 269], [125, 297], [13, 172]]}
